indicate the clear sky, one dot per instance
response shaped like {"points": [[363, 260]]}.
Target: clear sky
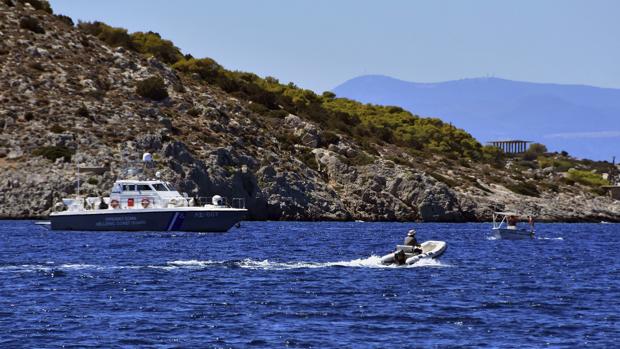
{"points": [[319, 44]]}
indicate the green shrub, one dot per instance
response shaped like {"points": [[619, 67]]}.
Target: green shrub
{"points": [[54, 152], [42, 5], [400, 161], [559, 164], [309, 159], [93, 181], [258, 108], [31, 24], [65, 19], [524, 188], [151, 44], [287, 140], [360, 159], [534, 151], [279, 114], [328, 95], [449, 182], [57, 129], [328, 138], [115, 37], [153, 88], [206, 68], [83, 111], [193, 112], [587, 178]]}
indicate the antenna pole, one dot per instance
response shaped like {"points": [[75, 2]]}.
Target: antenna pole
{"points": [[77, 166]]}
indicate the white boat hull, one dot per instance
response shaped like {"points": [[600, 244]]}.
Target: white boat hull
{"points": [[430, 249], [512, 234]]}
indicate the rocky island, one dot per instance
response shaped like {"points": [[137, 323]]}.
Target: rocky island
{"points": [[93, 95]]}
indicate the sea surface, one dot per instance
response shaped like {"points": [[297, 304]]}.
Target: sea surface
{"points": [[308, 285]]}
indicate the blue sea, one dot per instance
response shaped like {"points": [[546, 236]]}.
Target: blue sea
{"points": [[308, 285]]}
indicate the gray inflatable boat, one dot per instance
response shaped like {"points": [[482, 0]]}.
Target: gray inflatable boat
{"points": [[408, 255]]}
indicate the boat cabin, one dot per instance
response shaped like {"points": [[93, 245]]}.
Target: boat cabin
{"points": [[129, 194], [140, 194]]}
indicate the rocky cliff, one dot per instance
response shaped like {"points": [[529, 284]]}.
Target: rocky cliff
{"points": [[67, 98]]}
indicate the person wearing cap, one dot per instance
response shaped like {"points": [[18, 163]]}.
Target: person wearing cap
{"points": [[410, 239]]}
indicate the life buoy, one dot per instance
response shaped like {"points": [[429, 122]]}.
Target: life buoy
{"points": [[145, 202]]}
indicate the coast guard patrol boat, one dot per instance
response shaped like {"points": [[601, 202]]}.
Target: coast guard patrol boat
{"points": [[138, 204]]}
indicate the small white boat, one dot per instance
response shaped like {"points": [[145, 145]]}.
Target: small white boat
{"points": [[505, 227], [405, 254]]}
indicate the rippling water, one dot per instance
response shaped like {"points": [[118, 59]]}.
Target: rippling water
{"points": [[302, 285]]}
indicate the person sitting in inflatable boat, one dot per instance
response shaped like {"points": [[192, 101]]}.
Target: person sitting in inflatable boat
{"points": [[410, 240]]}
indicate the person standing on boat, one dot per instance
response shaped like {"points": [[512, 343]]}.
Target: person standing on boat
{"points": [[102, 204], [512, 222]]}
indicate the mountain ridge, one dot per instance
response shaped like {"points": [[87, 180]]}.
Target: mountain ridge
{"points": [[477, 104]]}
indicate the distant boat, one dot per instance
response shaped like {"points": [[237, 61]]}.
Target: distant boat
{"points": [[505, 227]]}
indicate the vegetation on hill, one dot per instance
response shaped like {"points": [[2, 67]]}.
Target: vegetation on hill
{"points": [[149, 43], [367, 124], [153, 88]]}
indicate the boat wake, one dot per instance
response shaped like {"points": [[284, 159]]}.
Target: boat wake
{"points": [[545, 238], [370, 262]]}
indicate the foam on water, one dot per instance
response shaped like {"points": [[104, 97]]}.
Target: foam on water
{"points": [[370, 262]]}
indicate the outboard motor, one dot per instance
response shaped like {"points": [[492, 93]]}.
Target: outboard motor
{"points": [[399, 257]]}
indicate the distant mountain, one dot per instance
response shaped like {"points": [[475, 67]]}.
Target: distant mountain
{"points": [[583, 120]]}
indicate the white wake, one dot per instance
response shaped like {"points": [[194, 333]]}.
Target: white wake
{"points": [[370, 262]]}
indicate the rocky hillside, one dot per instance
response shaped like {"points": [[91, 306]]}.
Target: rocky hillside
{"points": [[68, 97]]}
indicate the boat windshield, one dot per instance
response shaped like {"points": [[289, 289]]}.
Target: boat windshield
{"points": [[160, 187], [144, 187]]}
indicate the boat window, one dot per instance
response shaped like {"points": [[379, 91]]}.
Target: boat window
{"points": [[144, 187], [129, 187], [160, 187]]}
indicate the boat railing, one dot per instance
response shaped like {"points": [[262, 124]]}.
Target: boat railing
{"points": [[217, 200], [92, 203]]}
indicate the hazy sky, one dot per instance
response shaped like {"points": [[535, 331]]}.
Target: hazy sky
{"points": [[321, 43]]}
